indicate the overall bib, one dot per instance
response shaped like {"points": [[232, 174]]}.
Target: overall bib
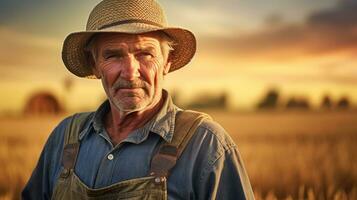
{"points": [[154, 186]]}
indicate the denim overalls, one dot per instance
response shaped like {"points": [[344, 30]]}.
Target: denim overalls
{"points": [[154, 186]]}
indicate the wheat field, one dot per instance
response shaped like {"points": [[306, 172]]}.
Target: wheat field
{"points": [[288, 155]]}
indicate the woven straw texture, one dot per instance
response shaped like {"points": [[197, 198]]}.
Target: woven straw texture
{"points": [[125, 16]]}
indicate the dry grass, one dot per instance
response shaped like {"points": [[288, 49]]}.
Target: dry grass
{"points": [[287, 155], [297, 155], [21, 141]]}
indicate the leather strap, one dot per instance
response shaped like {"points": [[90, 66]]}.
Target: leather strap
{"points": [[71, 140], [185, 126]]}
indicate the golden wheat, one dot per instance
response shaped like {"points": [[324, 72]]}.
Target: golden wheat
{"points": [[287, 155]]}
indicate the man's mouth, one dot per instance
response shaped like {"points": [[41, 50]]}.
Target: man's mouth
{"points": [[122, 84], [129, 88]]}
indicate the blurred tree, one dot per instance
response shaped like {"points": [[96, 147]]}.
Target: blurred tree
{"points": [[270, 101], [343, 103], [301, 103], [326, 103], [206, 100], [292, 102]]}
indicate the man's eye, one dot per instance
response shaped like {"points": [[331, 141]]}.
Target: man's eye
{"points": [[113, 56], [146, 55], [109, 56]]}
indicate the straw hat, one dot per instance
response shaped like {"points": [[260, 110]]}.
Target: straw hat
{"points": [[125, 16]]}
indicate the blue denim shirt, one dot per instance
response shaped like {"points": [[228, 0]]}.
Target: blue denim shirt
{"points": [[209, 168]]}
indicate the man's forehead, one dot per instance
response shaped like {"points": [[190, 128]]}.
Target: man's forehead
{"points": [[104, 38]]}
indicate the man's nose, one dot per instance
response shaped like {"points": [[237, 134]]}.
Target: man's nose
{"points": [[131, 68]]}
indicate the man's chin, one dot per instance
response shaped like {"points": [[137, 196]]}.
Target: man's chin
{"points": [[129, 92], [128, 106]]}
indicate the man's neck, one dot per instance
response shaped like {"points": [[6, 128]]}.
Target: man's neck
{"points": [[120, 124]]}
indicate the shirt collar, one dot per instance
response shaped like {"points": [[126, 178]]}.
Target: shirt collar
{"points": [[95, 121], [164, 120], [163, 123]]}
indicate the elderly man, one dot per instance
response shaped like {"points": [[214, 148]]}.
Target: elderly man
{"points": [[138, 144]]}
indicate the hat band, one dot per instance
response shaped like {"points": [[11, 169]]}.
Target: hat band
{"points": [[128, 22]]}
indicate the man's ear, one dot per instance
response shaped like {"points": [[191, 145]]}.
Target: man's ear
{"points": [[91, 64], [167, 67], [168, 64], [96, 72]]}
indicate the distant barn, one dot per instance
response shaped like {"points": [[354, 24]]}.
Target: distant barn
{"points": [[43, 103]]}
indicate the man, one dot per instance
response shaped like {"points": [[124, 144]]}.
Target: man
{"points": [[138, 144]]}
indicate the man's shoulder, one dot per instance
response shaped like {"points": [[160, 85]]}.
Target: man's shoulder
{"points": [[59, 131], [67, 119], [211, 129], [61, 126], [210, 142], [208, 145]]}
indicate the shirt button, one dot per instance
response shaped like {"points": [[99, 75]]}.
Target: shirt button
{"points": [[110, 157]]}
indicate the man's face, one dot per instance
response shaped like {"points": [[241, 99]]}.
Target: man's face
{"points": [[132, 69]]}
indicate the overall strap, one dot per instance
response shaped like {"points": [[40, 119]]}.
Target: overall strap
{"points": [[165, 159], [71, 141]]}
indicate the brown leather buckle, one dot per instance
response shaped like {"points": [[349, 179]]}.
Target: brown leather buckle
{"points": [[159, 180], [65, 173]]}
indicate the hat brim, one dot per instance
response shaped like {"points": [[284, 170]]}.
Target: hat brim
{"points": [[75, 58]]}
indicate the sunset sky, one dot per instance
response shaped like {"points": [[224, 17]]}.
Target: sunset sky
{"points": [[301, 47]]}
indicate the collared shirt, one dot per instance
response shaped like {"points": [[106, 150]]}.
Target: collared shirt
{"points": [[209, 168]]}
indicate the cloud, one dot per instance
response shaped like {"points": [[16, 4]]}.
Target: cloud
{"points": [[323, 32], [23, 54], [344, 16]]}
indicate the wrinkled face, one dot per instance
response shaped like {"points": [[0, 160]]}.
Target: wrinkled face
{"points": [[132, 69]]}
